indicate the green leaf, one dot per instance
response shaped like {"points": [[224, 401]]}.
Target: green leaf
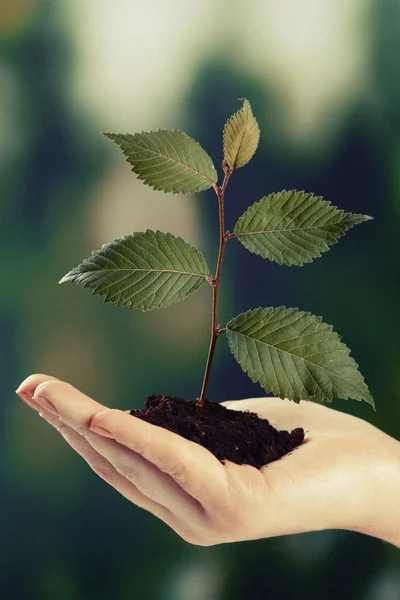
{"points": [[293, 228], [295, 355], [241, 137], [169, 161], [143, 270]]}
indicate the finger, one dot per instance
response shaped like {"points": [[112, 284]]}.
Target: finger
{"points": [[26, 390], [190, 465], [77, 410], [153, 483], [104, 469], [62, 399]]}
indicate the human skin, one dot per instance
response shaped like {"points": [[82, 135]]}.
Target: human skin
{"points": [[346, 474]]}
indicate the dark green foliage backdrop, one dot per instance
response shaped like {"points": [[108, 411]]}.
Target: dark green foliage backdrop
{"points": [[65, 534]]}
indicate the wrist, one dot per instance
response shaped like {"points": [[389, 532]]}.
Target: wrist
{"points": [[379, 514]]}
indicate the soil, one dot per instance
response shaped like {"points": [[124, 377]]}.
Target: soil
{"points": [[241, 437]]}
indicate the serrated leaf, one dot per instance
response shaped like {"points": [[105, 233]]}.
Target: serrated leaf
{"points": [[295, 355], [169, 161], [143, 270], [241, 137], [293, 228]]}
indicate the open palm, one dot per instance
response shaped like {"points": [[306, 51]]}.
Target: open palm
{"points": [[205, 501]]}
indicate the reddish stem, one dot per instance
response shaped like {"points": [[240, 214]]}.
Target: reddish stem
{"points": [[216, 330]]}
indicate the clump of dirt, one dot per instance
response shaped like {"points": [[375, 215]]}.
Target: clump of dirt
{"points": [[241, 437]]}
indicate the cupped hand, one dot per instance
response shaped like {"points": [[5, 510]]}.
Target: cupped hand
{"points": [[343, 472]]}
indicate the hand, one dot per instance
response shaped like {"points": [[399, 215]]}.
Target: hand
{"points": [[346, 475]]}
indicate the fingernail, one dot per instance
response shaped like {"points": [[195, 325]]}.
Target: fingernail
{"points": [[27, 398], [101, 431], [46, 404]]}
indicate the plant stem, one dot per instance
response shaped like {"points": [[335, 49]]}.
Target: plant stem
{"points": [[215, 329]]}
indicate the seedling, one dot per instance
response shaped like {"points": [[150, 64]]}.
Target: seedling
{"points": [[290, 353]]}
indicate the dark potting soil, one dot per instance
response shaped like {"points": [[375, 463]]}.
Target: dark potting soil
{"points": [[241, 437]]}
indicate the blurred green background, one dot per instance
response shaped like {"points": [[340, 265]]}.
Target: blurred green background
{"points": [[324, 82]]}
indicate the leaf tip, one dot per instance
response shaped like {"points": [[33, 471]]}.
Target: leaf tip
{"points": [[371, 401], [114, 137]]}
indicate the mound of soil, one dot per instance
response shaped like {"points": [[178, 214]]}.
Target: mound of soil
{"points": [[241, 437]]}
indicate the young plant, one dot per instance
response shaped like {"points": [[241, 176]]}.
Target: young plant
{"points": [[291, 353]]}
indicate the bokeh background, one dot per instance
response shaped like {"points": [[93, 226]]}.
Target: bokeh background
{"points": [[324, 82]]}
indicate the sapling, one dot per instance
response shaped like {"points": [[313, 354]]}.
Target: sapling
{"points": [[290, 353]]}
